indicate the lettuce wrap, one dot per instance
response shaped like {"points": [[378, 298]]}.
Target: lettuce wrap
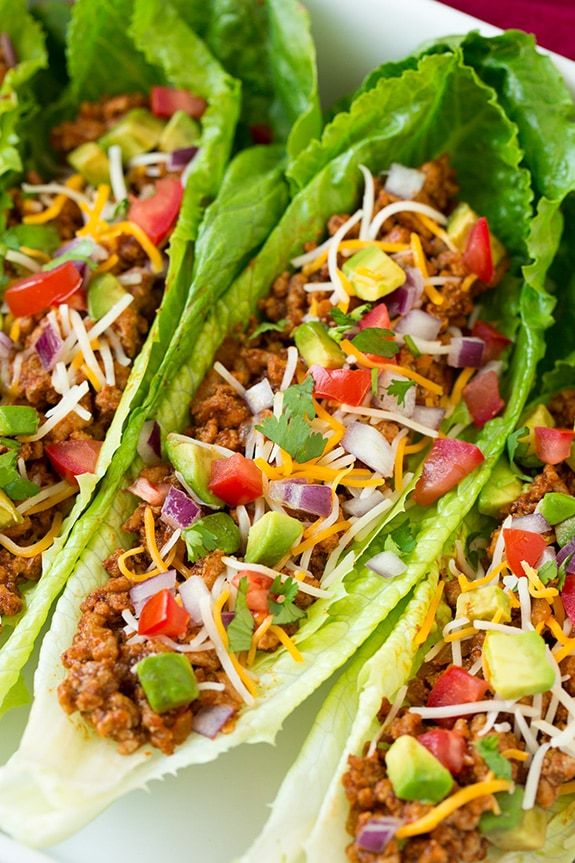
{"points": [[507, 578], [452, 111]]}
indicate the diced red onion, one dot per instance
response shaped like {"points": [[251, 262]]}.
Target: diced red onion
{"points": [[427, 416], [565, 552], [419, 324], [180, 158], [8, 50], [367, 444], [387, 564], [377, 833], [179, 511], [359, 506], [148, 491], [149, 443], [48, 346], [404, 182], [209, 721], [227, 617], [6, 346], [260, 396], [191, 592], [404, 298], [466, 351], [535, 523], [392, 403], [312, 498], [141, 592]]}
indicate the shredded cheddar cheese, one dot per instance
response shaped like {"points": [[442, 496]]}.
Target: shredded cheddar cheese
{"points": [[567, 788], [515, 754], [414, 376], [356, 245], [313, 266], [468, 281], [398, 464], [107, 265], [257, 637], [346, 284], [217, 613], [150, 530], [536, 587], [360, 357], [89, 374], [337, 427], [466, 632], [466, 585], [439, 232], [416, 447], [53, 211], [14, 333], [95, 223], [35, 253], [244, 676], [287, 642], [319, 537], [49, 502], [460, 384], [28, 551], [132, 552], [425, 629], [152, 252]]}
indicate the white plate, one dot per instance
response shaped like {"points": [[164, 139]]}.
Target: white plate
{"points": [[211, 813]]}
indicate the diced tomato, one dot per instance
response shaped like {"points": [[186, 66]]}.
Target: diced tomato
{"points": [[553, 445], [481, 395], [447, 746], [347, 386], [158, 215], [568, 597], [73, 457], [455, 686], [522, 545], [153, 493], [449, 461], [38, 292], [161, 615], [495, 342], [477, 256], [165, 101], [376, 317], [258, 590], [236, 480], [261, 134]]}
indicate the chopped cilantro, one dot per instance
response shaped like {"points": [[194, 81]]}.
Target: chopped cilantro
{"points": [[411, 346], [401, 540], [548, 572], [241, 627], [374, 381], [267, 326], [285, 611], [292, 431], [399, 389], [488, 749], [345, 323], [298, 399], [376, 340]]}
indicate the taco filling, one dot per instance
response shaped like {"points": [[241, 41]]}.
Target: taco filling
{"points": [[481, 742], [84, 273], [301, 437]]}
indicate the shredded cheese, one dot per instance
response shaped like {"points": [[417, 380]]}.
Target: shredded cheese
{"points": [[567, 788], [416, 447], [94, 213], [132, 552], [152, 252], [53, 211], [429, 619], [466, 632], [356, 245], [257, 637], [468, 281], [515, 754], [217, 613], [319, 537], [29, 551], [467, 585], [460, 383], [151, 543], [439, 232], [536, 587], [14, 333], [49, 502], [360, 357], [338, 429], [107, 265], [398, 464], [287, 642], [465, 795]]}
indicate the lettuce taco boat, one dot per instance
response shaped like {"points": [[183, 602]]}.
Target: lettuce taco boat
{"points": [[238, 485], [461, 747]]}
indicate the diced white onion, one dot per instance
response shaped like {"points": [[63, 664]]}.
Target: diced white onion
{"points": [[404, 182], [387, 564], [260, 396], [370, 446]]}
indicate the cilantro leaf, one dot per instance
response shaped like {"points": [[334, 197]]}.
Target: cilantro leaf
{"points": [[82, 251], [548, 572], [345, 323], [211, 533], [376, 340], [411, 346], [241, 627], [267, 326], [298, 399], [488, 749], [293, 435], [399, 389], [404, 538], [285, 611]]}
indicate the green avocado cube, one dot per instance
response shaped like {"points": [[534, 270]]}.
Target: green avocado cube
{"points": [[91, 162], [168, 681], [104, 291], [556, 507], [538, 417], [510, 814], [483, 603], [18, 419], [516, 664], [194, 462], [415, 773], [316, 346], [459, 225], [501, 489], [181, 131], [137, 132], [271, 537], [217, 532], [373, 274], [565, 531], [9, 515]]}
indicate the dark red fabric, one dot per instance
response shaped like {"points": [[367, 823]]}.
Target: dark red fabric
{"points": [[552, 21]]}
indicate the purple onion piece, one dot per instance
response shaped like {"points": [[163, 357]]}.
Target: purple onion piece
{"points": [[179, 511], [227, 617], [565, 552], [403, 299], [191, 591], [377, 833], [387, 564], [535, 523], [141, 592], [8, 50], [48, 346], [6, 345], [209, 721], [570, 568], [180, 158], [419, 324], [260, 396], [315, 499], [149, 443], [466, 352], [369, 446], [428, 416]]}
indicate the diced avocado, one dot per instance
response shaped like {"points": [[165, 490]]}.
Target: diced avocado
{"points": [[271, 537], [104, 291], [91, 162], [9, 515], [213, 532], [317, 347], [502, 488], [538, 417], [510, 815], [460, 224], [556, 507], [483, 603], [180, 131], [565, 531], [167, 680], [415, 773], [373, 274], [18, 419], [516, 665], [194, 462], [528, 835], [137, 132]]}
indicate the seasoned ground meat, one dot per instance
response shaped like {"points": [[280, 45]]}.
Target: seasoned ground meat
{"points": [[562, 408], [548, 480], [93, 119]]}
